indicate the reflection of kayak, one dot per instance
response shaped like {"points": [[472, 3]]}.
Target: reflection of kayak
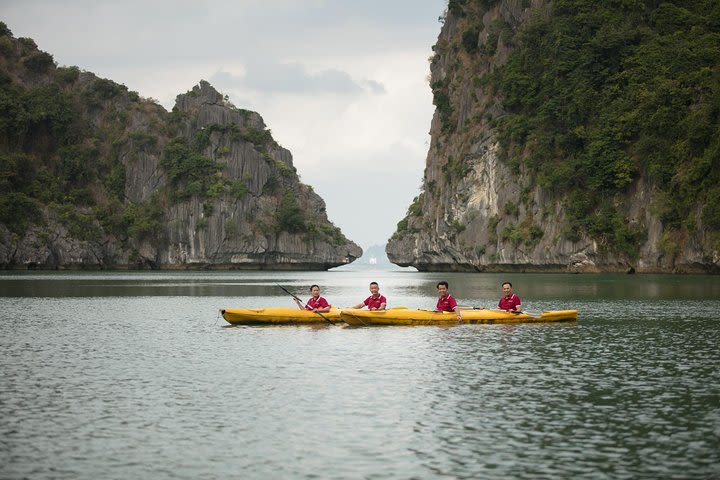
{"points": [[403, 316], [277, 316]]}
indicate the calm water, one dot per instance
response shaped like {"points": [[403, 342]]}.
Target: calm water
{"points": [[132, 375]]}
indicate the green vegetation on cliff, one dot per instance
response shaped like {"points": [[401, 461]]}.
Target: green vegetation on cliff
{"points": [[53, 158], [599, 94], [111, 168], [600, 100]]}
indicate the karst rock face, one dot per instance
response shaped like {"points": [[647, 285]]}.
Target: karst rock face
{"points": [[480, 211], [246, 232], [101, 178]]}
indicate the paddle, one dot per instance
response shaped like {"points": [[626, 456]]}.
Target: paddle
{"points": [[305, 304], [347, 310]]}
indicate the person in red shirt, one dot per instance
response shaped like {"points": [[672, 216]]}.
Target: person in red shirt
{"points": [[510, 301], [375, 301], [446, 302], [316, 302]]}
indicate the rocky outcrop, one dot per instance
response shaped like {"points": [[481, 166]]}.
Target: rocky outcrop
{"points": [[204, 186], [479, 212], [242, 233]]}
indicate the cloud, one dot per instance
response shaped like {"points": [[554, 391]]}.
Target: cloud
{"points": [[364, 154], [293, 77], [375, 87], [374, 191]]}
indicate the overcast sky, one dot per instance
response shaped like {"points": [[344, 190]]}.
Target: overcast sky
{"points": [[342, 84]]}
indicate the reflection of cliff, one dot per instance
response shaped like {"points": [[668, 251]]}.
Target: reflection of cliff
{"points": [[93, 176], [531, 167]]}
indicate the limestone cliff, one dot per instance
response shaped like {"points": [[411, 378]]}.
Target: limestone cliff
{"points": [[480, 209], [93, 176]]}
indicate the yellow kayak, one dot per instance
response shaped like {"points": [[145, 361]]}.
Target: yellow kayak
{"points": [[404, 316], [277, 316]]}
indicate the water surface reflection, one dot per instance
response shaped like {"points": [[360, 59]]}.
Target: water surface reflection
{"points": [[132, 375]]}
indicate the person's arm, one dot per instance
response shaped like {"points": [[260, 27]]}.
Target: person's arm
{"points": [[362, 304], [324, 306], [455, 308], [299, 304], [518, 305], [383, 303]]}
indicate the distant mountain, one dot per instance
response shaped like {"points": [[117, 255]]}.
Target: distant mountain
{"points": [[373, 258], [374, 255]]}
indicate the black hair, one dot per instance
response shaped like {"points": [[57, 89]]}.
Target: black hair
{"points": [[442, 283], [374, 283], [313, 286], [506, 283]]}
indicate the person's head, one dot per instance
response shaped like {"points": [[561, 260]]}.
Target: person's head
{"points": [[374, 288], [442, 287], [314, 290], [507, 288]]}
